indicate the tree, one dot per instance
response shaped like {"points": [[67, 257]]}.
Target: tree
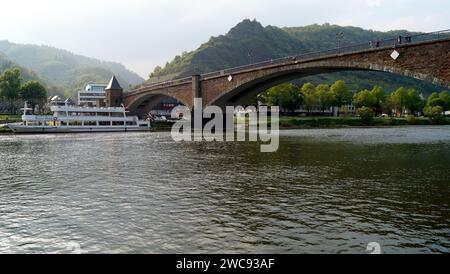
{"points": [[374, 99], [366, 114], [34, 93], [309, 96], [324, 96], [399, 98], [10, 82], [440, 99], [445, 96], [388, 106], [364, 98], [342, 95], [414, 101], [434, 113], [286, 96], [290, 98], [156, 72], [380, 99]]}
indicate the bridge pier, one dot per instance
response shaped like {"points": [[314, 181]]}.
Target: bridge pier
{"points": [[196, 87]]}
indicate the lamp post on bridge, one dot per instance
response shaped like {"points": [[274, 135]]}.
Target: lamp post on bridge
{"points": [[250, 56], [339, 37]]}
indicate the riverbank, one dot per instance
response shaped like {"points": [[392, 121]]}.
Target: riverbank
{"points": [[319, 122], [335, 122], [339, 122], [5, 130], [4, 119]]}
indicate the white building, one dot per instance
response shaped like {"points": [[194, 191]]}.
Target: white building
{"points": [[58, 101], [93, 95]]}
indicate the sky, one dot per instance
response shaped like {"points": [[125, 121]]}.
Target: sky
{"points": [[143, 34]]}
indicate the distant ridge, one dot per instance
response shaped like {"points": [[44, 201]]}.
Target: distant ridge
{"points": [[64, 72]]}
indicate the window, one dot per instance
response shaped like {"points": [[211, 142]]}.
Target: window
{"points": [[90, 123]]}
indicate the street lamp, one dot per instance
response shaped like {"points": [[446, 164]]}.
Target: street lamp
{"points": [[339, 37], [250, 56]]}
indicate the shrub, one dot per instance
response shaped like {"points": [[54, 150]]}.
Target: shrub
{"points": [[411, 119], [366, 114], [436, 114]]}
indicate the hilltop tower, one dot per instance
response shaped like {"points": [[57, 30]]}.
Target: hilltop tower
{"points": [[114, 93]]}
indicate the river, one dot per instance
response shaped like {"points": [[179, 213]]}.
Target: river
{"points": [[324, 191]]}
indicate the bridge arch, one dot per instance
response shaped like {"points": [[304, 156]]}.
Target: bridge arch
{"points": [[144, 103], [248, 88]]}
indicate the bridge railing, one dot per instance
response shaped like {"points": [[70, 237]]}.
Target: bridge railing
{"points": [[164, 84], [375, 44]]}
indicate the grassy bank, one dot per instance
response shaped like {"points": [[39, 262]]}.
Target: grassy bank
{"points": [[162, 126], [9, 118], [4, 130], [332, 122], [336, 122], [6, 118]]}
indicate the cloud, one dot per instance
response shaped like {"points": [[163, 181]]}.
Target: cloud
{"points": [[374, 3]]}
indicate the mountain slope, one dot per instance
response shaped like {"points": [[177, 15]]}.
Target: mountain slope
{"points": [[64, 70], [5, 64], [250, 42]]}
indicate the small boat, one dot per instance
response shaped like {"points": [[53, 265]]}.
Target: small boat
{"points": [[74, 119]]}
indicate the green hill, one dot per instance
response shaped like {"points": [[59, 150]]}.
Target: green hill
{"points": [[250, 42], [64, 71], [5, 64]]}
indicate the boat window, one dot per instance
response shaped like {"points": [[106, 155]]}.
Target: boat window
{"points": [[116, 123], [104, 124], [90, 123], [117, 114], [103, 114], [87, 114], [131, 123]]}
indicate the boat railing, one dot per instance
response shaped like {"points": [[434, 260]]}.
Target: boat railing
{"points": [[37, 117]]}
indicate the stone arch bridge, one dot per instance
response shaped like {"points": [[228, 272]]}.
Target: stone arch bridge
{"points": [[425, 57]]}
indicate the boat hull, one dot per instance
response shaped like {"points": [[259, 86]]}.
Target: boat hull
{"points": [[21, 129]]}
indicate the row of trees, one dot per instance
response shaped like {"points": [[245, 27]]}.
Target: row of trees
{"points": [[290, 97], [12, 89], [400, 101], [403, 100], [437, 104]]}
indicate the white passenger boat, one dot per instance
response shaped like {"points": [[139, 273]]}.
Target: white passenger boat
{"points": [[73, 119]]}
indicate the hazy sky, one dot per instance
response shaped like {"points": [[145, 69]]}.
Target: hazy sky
{"points": [[142, 34]]}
